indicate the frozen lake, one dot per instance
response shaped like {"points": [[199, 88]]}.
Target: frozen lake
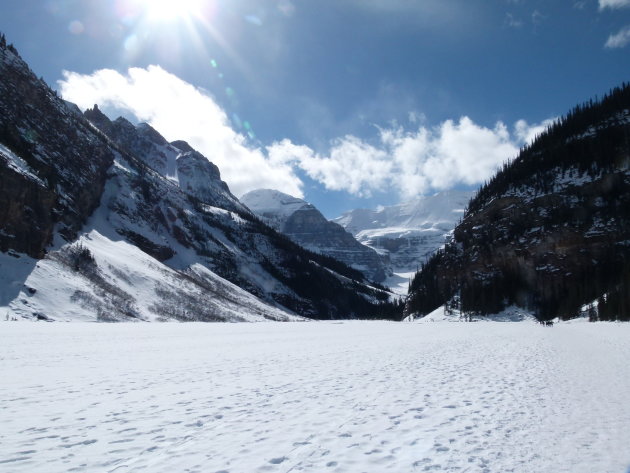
{"points": [[316, 397]]}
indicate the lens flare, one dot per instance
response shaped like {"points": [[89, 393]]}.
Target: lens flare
{"points": [[76, 27]]}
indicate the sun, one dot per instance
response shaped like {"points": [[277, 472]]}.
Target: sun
{"points": [[169, 10]]}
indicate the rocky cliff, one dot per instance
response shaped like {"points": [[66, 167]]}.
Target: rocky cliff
{"points": [[306, 226], [53, 165]]}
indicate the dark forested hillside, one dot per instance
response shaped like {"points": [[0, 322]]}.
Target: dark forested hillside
{"points": [[550, 232]]}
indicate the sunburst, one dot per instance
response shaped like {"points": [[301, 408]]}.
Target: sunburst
{"points": [[171, 10]]}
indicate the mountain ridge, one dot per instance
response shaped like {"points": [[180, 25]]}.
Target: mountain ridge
{"points": [[102, 203], [304, 223]]}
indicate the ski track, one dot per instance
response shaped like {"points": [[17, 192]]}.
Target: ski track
{"points": [[317, 397]]}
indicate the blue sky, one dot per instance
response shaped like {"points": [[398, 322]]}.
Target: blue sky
{"points": [[349, 103]]}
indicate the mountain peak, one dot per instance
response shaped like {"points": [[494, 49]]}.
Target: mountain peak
{"points": [[273, 204], [306, 225], [147, 131], [98, 118], [182, 146]]}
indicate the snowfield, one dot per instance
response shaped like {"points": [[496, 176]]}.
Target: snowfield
{"points": [[315, 397]]}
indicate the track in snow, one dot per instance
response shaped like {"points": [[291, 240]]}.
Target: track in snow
{"points": [[317, 397]]}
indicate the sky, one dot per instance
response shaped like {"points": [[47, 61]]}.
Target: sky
{"points": [[346, 103]]}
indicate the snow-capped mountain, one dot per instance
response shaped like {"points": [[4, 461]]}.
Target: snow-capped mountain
{"points": [[176, 161], [306, 226], [550, 232], [407, 234], [274, 207], [105, 220]]}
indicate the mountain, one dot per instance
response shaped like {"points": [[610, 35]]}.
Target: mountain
{"points": [[405, 235], [105, 220], [550, 232], [306, 226]]}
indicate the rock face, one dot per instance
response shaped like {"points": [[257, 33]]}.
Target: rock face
{"points": [[27, 207], [551, 231], [45, 177], [143, 229], [306, 226], [408, 233], [178, 161]]}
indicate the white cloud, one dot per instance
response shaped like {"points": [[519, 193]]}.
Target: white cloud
{"points": [[526, 133], [411, 163], [450, 154], [179, 110], [613, 4], [416, 117], [538, 18], [397, 160], [620, 39], [511, 21], [351, 165]]}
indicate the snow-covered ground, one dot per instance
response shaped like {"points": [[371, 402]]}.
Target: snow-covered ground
{"points": [[399, 282], [315, 397], [509, 314]]}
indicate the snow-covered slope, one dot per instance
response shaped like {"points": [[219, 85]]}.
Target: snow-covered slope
{"points": [[406, 234], [306, 225], [114, 270], [104, 220], [121, 283], [449, 314]]}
